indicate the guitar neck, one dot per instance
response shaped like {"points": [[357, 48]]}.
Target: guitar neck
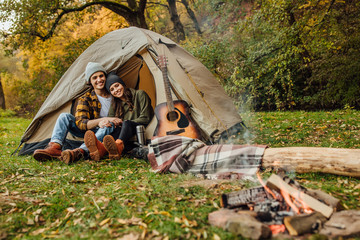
{"points": [[169, 100]]}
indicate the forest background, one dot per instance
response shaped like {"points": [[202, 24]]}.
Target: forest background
{"points": [[268, 55]]}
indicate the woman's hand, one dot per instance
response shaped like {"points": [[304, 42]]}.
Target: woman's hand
{"points": [[106, 122], [117, 121]]}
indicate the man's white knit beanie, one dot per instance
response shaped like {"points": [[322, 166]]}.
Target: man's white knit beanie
{"points": [[91, 68]]}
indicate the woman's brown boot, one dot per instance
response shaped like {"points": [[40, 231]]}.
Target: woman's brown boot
{"points": [[114, 148], [96, 148]]}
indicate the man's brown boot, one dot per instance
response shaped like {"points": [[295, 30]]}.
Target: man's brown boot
{"points": [[114, 148], [70, 156], [53, 150], [96, 148]]}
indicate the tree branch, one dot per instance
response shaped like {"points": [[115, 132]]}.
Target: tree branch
{"points": [[115, 7]]}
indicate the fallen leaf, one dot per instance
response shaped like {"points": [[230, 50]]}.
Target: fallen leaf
{"points": [[216, 237], [71, 210], [77, 221], [130, 236], [30, 221], [177, 220], [37, 212], [132, 221], [215, 204], [39, 231], [103, 222], [164, 213]]}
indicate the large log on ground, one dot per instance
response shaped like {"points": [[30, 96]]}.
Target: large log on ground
{"points": [[340, 161]]}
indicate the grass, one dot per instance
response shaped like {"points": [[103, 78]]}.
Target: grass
{"points": [[112, 199]]}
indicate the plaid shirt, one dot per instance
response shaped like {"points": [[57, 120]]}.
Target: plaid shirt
{"points": [[88, 108]]}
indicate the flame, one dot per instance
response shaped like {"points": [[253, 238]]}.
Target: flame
{"points": [[265, 187], [288, 200], [276, 229], [295, 203]]}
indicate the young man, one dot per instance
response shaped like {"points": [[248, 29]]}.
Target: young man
{"points": [[91, 111]]}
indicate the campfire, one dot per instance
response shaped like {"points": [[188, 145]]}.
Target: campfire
{"points": [[278, 206]]}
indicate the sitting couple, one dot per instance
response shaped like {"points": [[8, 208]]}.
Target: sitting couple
{"points": [[109, 108]]}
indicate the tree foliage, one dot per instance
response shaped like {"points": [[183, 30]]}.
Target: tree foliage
{"points": [[47, 61], [10, 69], [267, 54], [285, 54], [39, 19]]}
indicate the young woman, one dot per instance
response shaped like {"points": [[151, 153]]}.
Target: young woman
{"points": [[132, 106]]}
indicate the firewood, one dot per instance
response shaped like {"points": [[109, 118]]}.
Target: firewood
{"points": [[243, 197], [326, 198], [275, 182], [248, 227], [338, 161], [249, 212], [304, 223]]}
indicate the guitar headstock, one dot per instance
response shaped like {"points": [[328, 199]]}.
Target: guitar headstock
{"points": [[162, 61]]}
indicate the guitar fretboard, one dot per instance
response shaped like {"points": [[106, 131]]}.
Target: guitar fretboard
{"points": [[163, 67]]}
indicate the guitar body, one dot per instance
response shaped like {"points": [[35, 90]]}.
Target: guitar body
{"points": [[177, 122]]}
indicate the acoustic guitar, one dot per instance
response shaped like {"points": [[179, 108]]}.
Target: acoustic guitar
{"points": [[173, 116]]}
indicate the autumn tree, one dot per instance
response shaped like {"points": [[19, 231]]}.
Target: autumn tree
{"points": [[40, 68], [179, 28], [2, 96], [4, 67], [9, 72], [40, 19], [283, 54]]}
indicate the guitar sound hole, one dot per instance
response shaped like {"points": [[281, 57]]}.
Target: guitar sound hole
{"points": [[172, 116]]}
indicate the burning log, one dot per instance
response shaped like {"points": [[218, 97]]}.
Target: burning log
{"points": [[338, 161], [317, 194], [275, 182], [243, 197], [282, 205], [304, 223], [326, 198]]}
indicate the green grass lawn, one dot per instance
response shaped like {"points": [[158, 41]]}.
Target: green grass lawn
{"points": [[110, 199]]}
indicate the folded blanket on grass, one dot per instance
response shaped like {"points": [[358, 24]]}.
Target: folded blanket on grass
{"points": [[179, 154]]}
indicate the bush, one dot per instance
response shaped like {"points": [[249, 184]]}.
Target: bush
{"points": [[7, 113]]}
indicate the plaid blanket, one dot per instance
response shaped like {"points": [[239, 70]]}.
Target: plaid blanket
{"points": [[179, 154]]}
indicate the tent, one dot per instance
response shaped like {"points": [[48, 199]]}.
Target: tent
{"points": [[132, 52]]}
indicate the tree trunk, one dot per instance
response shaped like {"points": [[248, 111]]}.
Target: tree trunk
{"points": [[134, 14], [2, 96], [340, 161], [179, 28], [192, 16]]}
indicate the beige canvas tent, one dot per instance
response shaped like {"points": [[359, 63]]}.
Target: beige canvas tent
{"points": [[132, 53]]}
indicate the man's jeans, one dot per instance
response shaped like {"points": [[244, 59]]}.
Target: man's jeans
{"points": [[66, 123]]}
